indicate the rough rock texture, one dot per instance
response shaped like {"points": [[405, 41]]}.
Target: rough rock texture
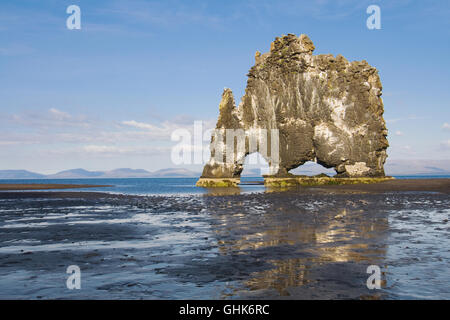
{"points": [[326, 109]]}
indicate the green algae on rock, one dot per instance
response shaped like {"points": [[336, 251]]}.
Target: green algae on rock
{"points": [[319, 181], [217, 182]]}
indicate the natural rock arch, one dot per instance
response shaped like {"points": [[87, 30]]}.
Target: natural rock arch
{"points": [[325, 109]]}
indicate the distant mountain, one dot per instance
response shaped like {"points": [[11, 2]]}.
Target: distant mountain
{"points": [[417, 167], [116, 173], [123, 173], [175, 173], [20, 174], [75, 174], [127, 173], [311, 169], [251, 172], [392, 167]]}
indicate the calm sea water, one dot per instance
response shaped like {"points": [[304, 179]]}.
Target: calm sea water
{"points": [[141, 186], [153, 186]]}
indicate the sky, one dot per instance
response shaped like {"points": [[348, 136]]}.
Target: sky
{"points": [[110, 94]]}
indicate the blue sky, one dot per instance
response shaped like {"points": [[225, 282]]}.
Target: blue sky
{"points": [[109, 95]]}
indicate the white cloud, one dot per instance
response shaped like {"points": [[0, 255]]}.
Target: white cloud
{"points": [[52, 118], [94, 151], [165, 130], [150, 131], [59, 115], [446, 126], [56, 126], [102, 149], [445, 145], [122, 150], [398, 133], [411, 117], [139, 125], [8, 143], [56, 132]]}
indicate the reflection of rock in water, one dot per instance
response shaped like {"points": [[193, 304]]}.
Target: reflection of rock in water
{"points": [[302, 242], [226, 191]]}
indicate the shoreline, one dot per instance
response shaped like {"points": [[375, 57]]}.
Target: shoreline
{"points": [[53, 186], [439, 185]]}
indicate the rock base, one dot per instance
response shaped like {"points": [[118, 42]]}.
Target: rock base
{"points": [[319, 181], [270, 181], [217, 182]]}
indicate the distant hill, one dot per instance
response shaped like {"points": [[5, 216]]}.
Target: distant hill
{"points": [[392, 167], [175, 173], [20, 174], [116, 173], [127, 173], [75, 174], [417, 167], [251, 172]]}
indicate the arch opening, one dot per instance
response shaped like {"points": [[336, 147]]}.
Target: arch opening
{"points": [[255, 166], [311, 168]]}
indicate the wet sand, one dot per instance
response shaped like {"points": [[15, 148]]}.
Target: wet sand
{"points": [[430, 185], [10, 187], [307, 243]]}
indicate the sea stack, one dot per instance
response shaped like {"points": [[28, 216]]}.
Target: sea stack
{"points": [[324, 108]]}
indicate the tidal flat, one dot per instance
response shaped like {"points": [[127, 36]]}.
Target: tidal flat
{"points": [[306, 243]]}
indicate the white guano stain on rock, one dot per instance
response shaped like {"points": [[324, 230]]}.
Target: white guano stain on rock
{"points": [[325, 108]]}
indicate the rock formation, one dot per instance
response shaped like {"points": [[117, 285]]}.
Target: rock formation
{"points": [[325, 108]]}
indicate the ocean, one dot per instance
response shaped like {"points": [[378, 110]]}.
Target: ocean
{"points": [[141, 186]]}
